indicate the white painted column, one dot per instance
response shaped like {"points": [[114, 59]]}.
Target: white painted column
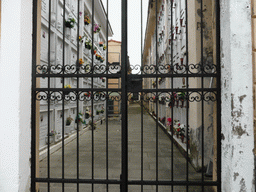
{"points": [[237, 98], [15, 94]]}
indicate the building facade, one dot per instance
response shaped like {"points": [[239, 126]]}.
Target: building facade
{"points": [[71, 53], [169, 42]]}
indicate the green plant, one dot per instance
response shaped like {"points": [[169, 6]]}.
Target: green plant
{"points": [[87, 20], [96, 28], [88, 44], [79, 118], [69, 120], [70, 23], [181, 95]]}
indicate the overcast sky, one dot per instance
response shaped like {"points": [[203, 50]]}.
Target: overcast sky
{"points": [[134, 25]]}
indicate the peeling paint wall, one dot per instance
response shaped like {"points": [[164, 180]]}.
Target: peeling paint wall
{"points": [[237, 110], [195, 122]]}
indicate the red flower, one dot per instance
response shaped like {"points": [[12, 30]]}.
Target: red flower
{"points": [[178, 129], [169, 119], [179, 124]]}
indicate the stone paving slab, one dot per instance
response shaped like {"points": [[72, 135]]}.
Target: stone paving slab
{"points": [[114, 157]]}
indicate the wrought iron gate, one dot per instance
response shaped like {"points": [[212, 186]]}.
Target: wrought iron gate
{"points": [[180, 91]]}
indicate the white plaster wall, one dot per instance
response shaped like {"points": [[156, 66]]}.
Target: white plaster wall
{"points": [[237, 106], [15, 100]]}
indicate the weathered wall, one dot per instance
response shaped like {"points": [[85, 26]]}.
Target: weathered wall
{"points": [[15, 100], [237, 110], [254, 65], [195, 109]]}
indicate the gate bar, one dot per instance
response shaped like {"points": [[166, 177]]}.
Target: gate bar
{"points": [[92, 93], [48, 99], [107, 97], [77, 102], [142, 93], [172, 96], [156, 31], [33, 96], [202, 86], [63, 96], [124, 175], [187, 86], [218, 60]]}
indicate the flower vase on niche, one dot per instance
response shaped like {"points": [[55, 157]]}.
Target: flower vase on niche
{"points": [[66, 91], [79, 121], [51, 136]]}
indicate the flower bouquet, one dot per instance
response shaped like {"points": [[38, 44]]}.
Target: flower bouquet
{"points": [[81, 39], [69, 120], [101, 44], [87, 20], [96, 28], [66, 91], [70, 23], [88, 44]]}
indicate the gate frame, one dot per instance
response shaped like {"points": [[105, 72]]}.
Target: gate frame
{"points": [[124, 176]]}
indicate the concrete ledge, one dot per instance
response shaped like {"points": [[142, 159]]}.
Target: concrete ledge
{"points": [[67, 139], [181, 146]]}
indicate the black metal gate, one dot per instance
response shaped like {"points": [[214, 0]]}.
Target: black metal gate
{"points": [[178, 88]]}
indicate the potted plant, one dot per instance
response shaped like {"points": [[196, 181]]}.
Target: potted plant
{"points": [[101, 44], [81, 61], [81, 39], [96, 28], [160, 79], [87, 20], [87, 115], [97, 112], [102, 59], [68, 123], [95, 50], [182, 132], [69, 120], [70, 23], [87, 94], [181, 97], [88, 44], [154, 84], [66, 92], [97, 56], [104, 47], [79, 120], [51, 136]]}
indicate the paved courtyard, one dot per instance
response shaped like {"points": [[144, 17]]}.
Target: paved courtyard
{"points": [[114, 157]]}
